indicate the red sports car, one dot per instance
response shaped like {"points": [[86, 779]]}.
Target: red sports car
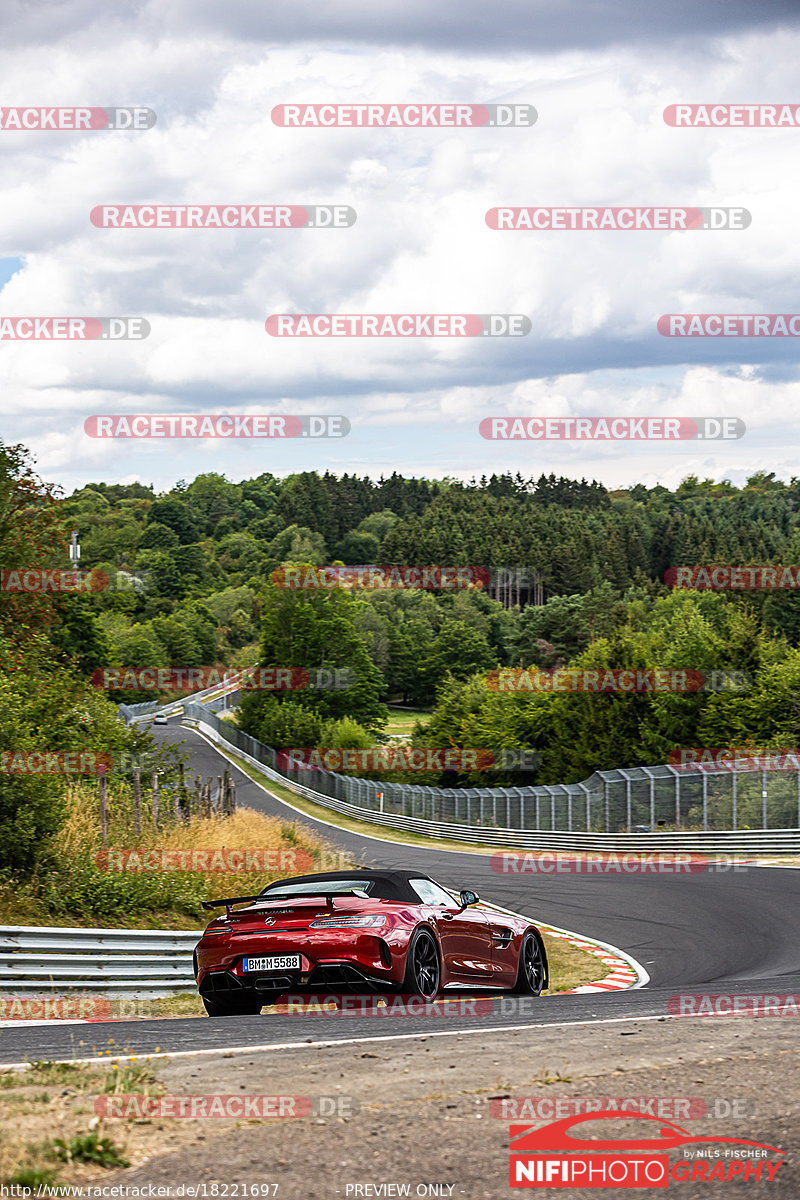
{"points": [[363, 931]]}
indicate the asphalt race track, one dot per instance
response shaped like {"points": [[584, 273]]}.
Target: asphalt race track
{"points": [[729, 932]]}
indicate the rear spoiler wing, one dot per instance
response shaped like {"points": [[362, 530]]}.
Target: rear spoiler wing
{"points": [[329, 897]]}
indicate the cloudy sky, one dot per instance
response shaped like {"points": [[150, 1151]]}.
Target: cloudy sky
{"points": [[599, 72]]}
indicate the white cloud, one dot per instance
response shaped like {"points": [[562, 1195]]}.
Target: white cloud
{"points": [[420, 243]]}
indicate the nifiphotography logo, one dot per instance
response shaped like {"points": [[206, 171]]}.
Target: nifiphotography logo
{"points": [[554, 1156]]}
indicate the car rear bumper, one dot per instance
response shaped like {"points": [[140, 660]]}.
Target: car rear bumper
{"points": [[343, 976]]}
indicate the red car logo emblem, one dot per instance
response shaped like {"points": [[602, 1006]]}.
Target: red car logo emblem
{"points": [[556, 1135]]}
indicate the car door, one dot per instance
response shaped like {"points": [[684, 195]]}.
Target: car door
{"points": [[505, 949], [465, 934]]}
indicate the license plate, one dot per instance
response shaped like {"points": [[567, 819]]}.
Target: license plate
{"points": [[275, 962]]}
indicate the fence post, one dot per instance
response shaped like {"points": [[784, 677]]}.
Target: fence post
{"points": [[628, 802], [182, 792], [652, 804], [764, 799], [137, 800], [606, 789], [101, 787], [734, 798], [156, 813]]}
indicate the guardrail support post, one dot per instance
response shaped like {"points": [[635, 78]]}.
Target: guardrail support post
{"points": [[705, 802]]}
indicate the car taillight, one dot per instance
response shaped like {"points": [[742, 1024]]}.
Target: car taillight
{"points": [[210, 932], [346, 922]]}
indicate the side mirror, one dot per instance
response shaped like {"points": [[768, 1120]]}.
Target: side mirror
{"points": [[468, 898]]}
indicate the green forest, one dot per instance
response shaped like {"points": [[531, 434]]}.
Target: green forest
{"points": [[191, 585]]}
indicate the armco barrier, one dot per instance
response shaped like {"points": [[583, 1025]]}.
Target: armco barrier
{"points": [[130, 712], [383, 804], [214, 697], [148, 961]]}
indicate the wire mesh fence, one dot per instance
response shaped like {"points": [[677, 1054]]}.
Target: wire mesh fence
{"points": [[629, 800]]}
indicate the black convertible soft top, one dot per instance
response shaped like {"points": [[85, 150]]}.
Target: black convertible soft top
{"points": [[389, 884]]}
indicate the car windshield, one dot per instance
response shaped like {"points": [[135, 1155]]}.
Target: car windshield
{"points": [[324, 887]]}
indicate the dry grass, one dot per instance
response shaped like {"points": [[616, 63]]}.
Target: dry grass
{"points": [[79, 885]]}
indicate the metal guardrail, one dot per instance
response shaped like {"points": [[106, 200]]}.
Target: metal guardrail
{"points": [[45, 959], [387, 809], [130, 712], [214, 696]]}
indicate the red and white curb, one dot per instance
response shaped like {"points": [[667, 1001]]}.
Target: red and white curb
{"points": [[624, 971]]}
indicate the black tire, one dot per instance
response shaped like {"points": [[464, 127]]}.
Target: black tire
{"points": [[531, 973], [232, 1006], [423, 970]]}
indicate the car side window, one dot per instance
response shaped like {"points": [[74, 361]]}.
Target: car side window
{"points": [[431, 893]]}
